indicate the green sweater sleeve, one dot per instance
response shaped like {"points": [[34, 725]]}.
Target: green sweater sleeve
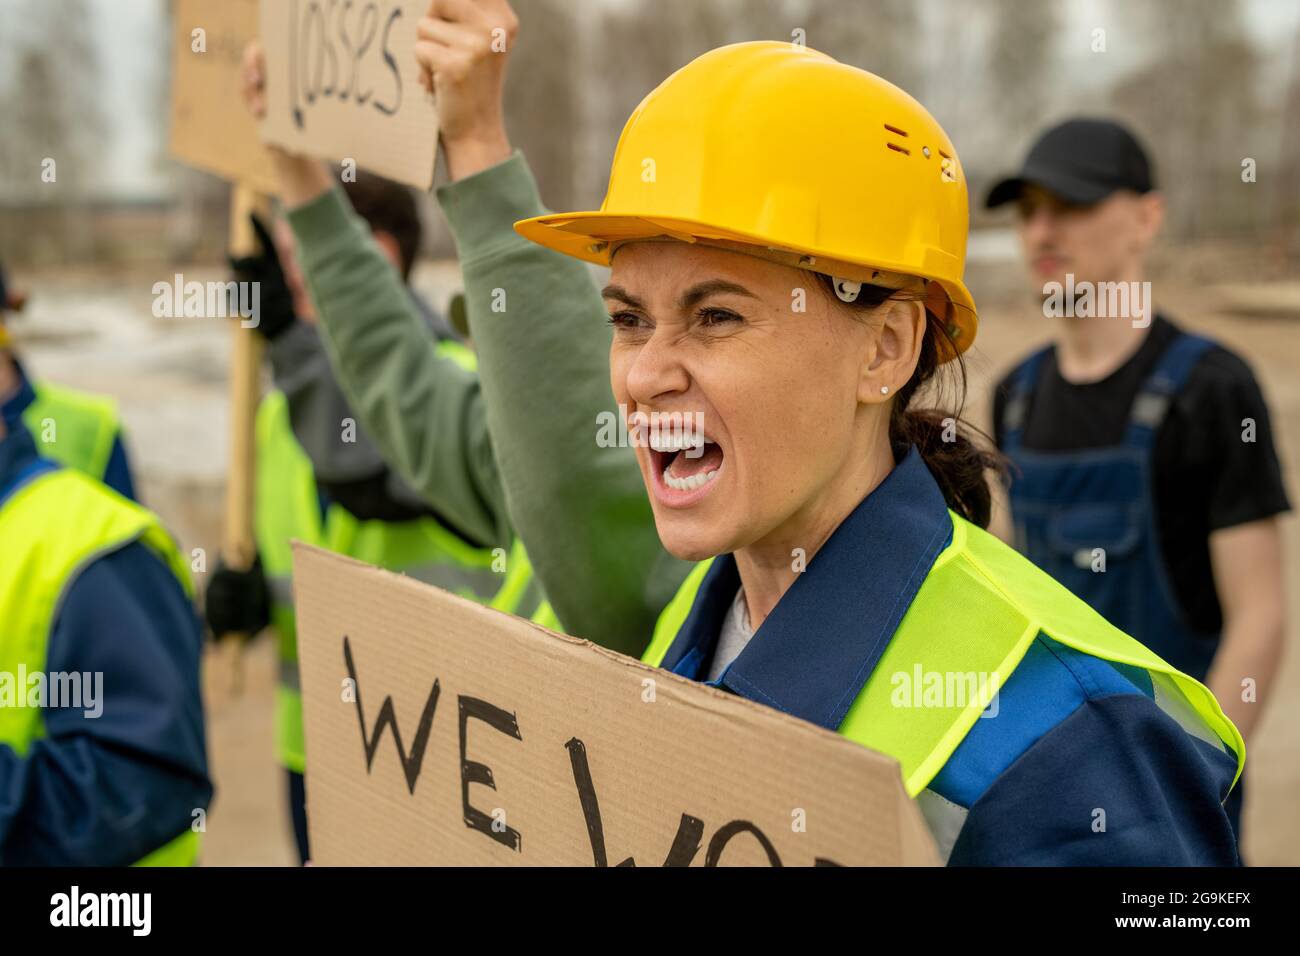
{"points": [[424, 412], [539, 326]]}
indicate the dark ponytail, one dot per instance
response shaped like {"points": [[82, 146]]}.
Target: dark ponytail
{"points": [[952, 449]]}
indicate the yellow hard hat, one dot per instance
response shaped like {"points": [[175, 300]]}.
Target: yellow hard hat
{"points": [[777, 150]]}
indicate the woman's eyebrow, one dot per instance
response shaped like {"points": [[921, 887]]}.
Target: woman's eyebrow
{"points": [[696, 293], [622, 295], [687, 300]]}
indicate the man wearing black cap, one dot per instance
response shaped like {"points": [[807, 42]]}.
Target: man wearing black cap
{"points": [[1144, 474]]}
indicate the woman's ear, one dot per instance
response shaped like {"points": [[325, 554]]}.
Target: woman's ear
{"points": [[898, 349]]}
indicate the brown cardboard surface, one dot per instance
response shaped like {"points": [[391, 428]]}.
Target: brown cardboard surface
{"points": [[471, 737], [342, 83], [210, 128]]}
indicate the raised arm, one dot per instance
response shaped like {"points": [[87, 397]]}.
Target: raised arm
{"points": [[423, 410], [538, 322], [536, 319]]}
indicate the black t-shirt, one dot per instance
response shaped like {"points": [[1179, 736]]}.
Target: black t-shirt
{"points": [[1206, 477]]}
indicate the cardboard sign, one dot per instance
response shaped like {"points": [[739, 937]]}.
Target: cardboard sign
{"points": [[210, 128], [343, 84], [440, 732]]}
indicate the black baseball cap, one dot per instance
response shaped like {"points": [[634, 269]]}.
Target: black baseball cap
{"points": [[1082, 161]]}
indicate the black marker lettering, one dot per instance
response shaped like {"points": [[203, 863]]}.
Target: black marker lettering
{"points": [[410, 763], [472, 772], [724, 835], [327, 43], [392, 64], [368, 16], [686, 844], [345, 91], [315, 17]]}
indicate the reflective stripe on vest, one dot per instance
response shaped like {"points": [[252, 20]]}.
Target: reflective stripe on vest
{"points": [[288, 507], [521, 593], [1004, 602], [458, 354], [52, 528], [74, 428]]}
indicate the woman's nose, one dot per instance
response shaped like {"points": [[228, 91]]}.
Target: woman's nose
{"points": [[656, 370]]}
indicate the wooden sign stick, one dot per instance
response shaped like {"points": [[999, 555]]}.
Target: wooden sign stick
{"points": [[239, 549]]}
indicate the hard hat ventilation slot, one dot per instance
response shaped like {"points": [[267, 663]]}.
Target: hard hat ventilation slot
{"points": [[894, 146]]}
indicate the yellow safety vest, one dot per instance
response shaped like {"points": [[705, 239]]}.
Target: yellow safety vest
{"points": [[978, 611], [74, 428], [50, 529]]}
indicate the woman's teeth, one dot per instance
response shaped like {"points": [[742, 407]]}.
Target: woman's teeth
{"points": [[673, 443], [690, 483], [685, 448]]}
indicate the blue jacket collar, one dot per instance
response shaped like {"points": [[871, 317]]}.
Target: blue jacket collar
{"points": [[13, 405], [815, 651], [19, 461]]}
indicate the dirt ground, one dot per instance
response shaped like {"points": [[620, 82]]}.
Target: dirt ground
{"points": [[95, 330]]}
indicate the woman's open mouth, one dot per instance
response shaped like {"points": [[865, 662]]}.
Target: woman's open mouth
{"points": [[684, 467]]}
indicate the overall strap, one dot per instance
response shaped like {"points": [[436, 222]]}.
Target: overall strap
{"points": [[1166, 380], [1020, 387]]}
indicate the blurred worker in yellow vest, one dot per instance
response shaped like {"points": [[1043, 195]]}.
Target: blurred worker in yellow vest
{"points": [[102, 756]]}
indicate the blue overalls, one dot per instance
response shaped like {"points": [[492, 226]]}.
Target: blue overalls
{"points": [[1088, 517]]}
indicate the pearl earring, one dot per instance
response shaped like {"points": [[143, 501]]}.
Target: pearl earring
{"points": [[884, 390]]}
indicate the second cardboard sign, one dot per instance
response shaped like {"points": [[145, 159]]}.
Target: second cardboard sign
{"points": [[343, 84]]}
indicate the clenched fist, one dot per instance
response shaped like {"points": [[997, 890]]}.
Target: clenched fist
{"points": [[462, 50], [301, 179]]}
